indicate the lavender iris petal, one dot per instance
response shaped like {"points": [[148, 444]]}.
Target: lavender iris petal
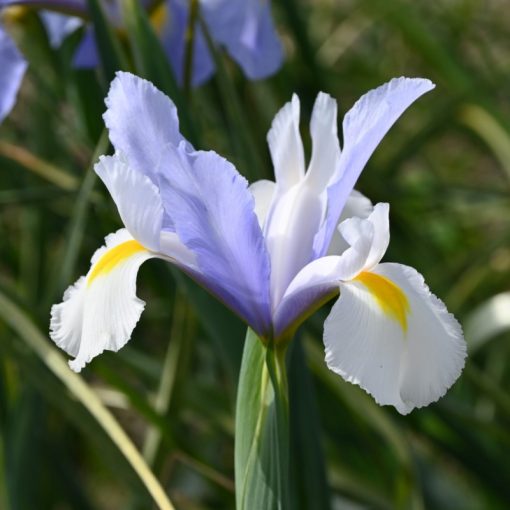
{"points": [[141, 121], [59, 26], [257, 48], [213, 213], [174, 43], [13, 67], [86, 56]]}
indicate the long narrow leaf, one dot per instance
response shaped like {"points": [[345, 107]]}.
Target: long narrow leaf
{"points": [[110, 51], [55, 362]]}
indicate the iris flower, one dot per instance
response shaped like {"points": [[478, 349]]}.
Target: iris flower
{"points": [[13, 67], [243, 27], [273, 252]]}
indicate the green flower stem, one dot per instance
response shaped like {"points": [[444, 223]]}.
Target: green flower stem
{"points": [[190, 39], [275, 362], [262, 427]]}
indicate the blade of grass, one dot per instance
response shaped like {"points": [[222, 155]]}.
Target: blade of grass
{"points": [[169, 371], [308, 476], [407, 491], [488, 320], [30, 195], [56, 363], [306, 50], [239, 125], [38, 166], [110, 52], [64, 270], [490, 130]]}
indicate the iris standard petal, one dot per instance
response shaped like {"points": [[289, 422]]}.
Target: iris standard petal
{"points": [[379, 218], [289, 231], [100, 311], [286, 146], [263, 192], [137, 198], [367, 240], [13, 67], [214, 217], [325, 144], [364, 126], [391, 336], [318, 281], [356, 206], [141, 120]]}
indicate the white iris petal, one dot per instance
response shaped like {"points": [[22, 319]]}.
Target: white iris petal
{"points": [[100, 311], [405, 367]]}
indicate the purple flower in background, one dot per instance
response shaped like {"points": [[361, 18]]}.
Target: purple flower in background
{"points": [[273, 252], [243, 27], [12, 70], [59, 26]]}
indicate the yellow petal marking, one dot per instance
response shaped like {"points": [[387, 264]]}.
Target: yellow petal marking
{"points": [[389, 296], [113, 257]]}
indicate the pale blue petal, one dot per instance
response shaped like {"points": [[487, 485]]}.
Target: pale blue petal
{"points": [[86, 55], [141, 121], [13, 67], [256, 48], [319, 280], [173, 40], [213, 213], [364, 126], [296, 308], [59, 26]]}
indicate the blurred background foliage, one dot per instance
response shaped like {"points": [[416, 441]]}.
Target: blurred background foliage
{"points": [[163, 407]]}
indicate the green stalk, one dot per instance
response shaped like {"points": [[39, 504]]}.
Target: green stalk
{"points": [[190, 40], [275, 362], [262, 427]]}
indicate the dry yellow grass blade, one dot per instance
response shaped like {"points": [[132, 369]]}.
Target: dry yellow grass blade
{"points": [[24, 327]]}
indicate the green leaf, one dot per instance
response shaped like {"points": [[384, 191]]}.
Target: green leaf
{"points": [[38, 166], [221, 325], [490, 130], [487, 321], [308, 476], [360, 403], [110, 52], [55, 362], [239, 121], [65, 268], [262, 428]]}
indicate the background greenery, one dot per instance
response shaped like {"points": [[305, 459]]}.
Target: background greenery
{"points": [[445, 170]]}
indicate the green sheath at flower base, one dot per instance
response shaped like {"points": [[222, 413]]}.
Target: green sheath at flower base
{"points": [[262, 428]]}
